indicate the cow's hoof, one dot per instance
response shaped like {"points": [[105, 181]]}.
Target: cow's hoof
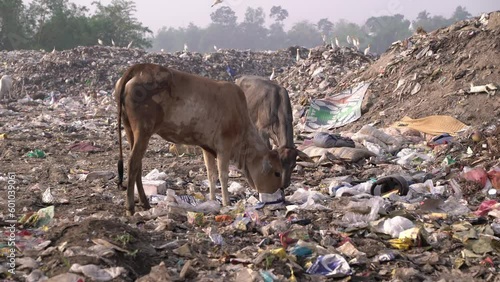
{"points": [[130, 213], [146, 206]]}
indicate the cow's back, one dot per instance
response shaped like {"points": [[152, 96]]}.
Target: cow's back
{"points": [[269, 107], [195, 110]]}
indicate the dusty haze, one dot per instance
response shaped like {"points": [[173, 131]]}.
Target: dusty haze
{"points": [[156, 14]]}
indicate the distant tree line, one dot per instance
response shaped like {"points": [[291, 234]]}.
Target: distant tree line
{"points": [[60, 24]]}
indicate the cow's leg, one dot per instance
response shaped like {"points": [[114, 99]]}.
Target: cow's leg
{"points": [[211, 166], [223, 166], [134, 170], [128, 132], [130, 139], [142, 195]]}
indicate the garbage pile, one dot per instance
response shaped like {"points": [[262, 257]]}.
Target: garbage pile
{"points": [[450, 71], [88, 70], [318, 74]]}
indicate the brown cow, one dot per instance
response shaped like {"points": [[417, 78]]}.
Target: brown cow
{"points": [[271, 112], [193, 110]]}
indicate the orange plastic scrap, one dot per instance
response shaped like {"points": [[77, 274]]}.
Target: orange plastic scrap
{"points": [[223, 218]]}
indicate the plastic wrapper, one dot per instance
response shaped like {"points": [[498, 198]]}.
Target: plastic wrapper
{"points": [[394, 226], [331, 265], [363, 212]]}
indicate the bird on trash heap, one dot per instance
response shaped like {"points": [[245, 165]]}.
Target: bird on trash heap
{"points": [[272, 75], [297, 57], [367, 50]]}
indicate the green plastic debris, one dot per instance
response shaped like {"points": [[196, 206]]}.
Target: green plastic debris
{"points": [[39, 154], [38, 219]]}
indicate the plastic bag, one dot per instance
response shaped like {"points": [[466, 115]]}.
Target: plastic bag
{"points": [[326, 140], [332, 265]]}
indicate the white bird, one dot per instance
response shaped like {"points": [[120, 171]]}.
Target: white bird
{"points": [[355, 41], [349, 40], [100, 41], [216, 2], [367, 50], [130, 44], [337, 42], [54, 50], [310, 53], [272, 75], [112, 42], [298, 55], [52, 98], [185, 48], [215, 48], [411, 28], [162, 50]]}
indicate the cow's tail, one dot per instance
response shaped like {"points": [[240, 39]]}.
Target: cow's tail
{"points": [[120, 88]]}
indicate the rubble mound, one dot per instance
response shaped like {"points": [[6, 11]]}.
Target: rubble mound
{"points": [[432, 74], [88, 70], [319, 74]]}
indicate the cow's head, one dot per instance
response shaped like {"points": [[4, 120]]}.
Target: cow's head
{"points": [[288, 157], [264, 173]]}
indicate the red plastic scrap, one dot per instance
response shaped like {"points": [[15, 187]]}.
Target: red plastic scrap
{"points": [[494, 176], [486, 207], [487, 261], [477, 174]]}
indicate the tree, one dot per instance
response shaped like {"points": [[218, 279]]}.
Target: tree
{"points": [[343, 28], [221, 32], [277, 37], [429, 23], [460, 14], [252, 31], [224, 16], [387, 29], [116, 21], [12, 34], [57, 24], [325, 26], [304, 34], [278, 14]]}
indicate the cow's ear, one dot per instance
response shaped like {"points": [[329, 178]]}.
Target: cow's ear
{"points": [[303, 156]]}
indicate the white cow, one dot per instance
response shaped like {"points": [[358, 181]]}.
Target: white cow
{"points": [[5, 86]]}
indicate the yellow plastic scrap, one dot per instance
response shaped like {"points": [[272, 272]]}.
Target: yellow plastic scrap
{"points": [[401, 244], [3, 136], [292, 276], [459, 262], [280, 253], [417, 235]]}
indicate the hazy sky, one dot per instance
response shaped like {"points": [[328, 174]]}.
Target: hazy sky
{"points": [[156, 13]]}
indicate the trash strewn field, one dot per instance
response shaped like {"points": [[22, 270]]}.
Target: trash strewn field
{"points": [[409, 190]]}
